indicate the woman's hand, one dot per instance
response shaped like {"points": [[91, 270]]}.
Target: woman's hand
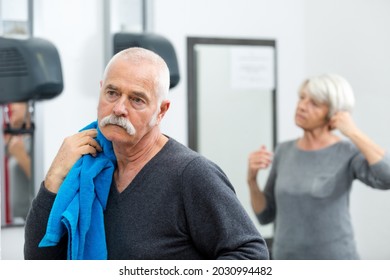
{"points": [[259, 159], [371, 151], [344, 123], [71, 150]]}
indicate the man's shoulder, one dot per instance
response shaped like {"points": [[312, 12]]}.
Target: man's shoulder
{"points": [[178, 151], [180, 155]]}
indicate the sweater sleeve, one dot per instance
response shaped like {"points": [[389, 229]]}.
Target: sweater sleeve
{"points": [[218, 224], [35, 229], [376, 175], [269, 213]]}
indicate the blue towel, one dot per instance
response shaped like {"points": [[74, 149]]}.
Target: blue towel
{"points": [[80, 202]]}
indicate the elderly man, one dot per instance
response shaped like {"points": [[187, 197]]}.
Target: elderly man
{"points": [[165, 201]]}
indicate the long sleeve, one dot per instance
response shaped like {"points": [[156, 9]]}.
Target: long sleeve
{"points": [[269, 213], [376, 175]]}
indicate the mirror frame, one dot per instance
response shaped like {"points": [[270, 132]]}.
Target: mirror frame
{"points": [[192, 88]]}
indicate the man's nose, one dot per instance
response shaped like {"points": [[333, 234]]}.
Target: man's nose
{"points": [[120, 107]]}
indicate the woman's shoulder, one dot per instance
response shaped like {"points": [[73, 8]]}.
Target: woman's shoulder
{"points": [[286, 145], [284, 148], [346, 146]]}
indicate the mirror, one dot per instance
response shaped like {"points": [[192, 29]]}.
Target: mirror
{"points": [[232, 105], [17, 173]]}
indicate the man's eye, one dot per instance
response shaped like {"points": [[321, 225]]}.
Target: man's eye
{"points": [[112, 94], [137, 100]]}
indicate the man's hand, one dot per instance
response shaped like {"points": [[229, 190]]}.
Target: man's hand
{"points": [[71, 150]]}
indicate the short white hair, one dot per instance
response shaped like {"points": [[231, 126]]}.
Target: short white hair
{"points": [[331, 89], [137, 55]]}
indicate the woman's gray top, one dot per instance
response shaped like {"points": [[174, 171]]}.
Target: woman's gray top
{"points": [[307, 196]]}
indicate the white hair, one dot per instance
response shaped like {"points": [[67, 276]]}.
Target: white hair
{"points": [[333, 90], [137, 56]]}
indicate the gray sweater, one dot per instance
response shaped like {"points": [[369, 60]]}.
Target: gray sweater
{"points": [[307, 195], [179, 206]]}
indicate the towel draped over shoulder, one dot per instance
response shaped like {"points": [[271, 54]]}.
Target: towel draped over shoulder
{"points": [[80, 203]]}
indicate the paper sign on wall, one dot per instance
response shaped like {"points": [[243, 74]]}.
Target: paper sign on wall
{"points": [[252, 68]]}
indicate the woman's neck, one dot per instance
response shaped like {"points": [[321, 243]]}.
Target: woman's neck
{"points": [[317, 139]]}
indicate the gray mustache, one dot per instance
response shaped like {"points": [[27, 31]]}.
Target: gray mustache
{"points": [[120, 121]]}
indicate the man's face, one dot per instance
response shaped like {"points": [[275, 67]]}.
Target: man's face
{"points": [[128, 92]]}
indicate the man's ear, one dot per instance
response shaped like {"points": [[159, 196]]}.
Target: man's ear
{"points": [[163, 109], [101, 84]]}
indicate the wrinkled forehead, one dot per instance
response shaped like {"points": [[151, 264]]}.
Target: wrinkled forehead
{"points": [[126, 77], [126, 64], [130, 70]]}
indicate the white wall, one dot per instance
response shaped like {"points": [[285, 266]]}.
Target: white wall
{"points": [[281, 20], [75, 27], [352, 38]]}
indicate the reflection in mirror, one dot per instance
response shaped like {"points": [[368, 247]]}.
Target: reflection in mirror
{"points": [[18, 188], [232, 105]]}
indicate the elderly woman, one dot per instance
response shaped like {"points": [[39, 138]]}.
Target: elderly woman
{"points": [[307, 191]]}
